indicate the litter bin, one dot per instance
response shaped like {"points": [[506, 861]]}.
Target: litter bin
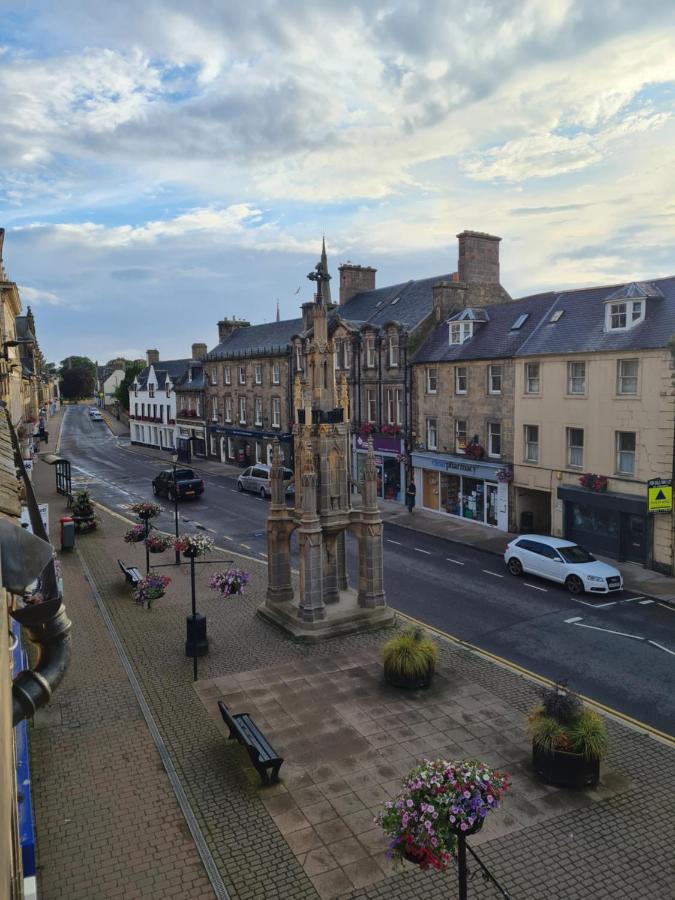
{"points": [[67, 533], [526, 521]]}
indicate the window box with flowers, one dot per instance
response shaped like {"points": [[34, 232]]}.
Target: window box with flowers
{"points": [[593, 482], [367, 428], [474, 450], [392, 429]]}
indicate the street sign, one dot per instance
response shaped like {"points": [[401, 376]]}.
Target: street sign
{"points": [[660, 495]]}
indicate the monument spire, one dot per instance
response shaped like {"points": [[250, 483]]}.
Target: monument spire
{"points": [[278, 316]]}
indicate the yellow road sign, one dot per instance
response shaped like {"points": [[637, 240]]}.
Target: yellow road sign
{"points": [[660, 496]]}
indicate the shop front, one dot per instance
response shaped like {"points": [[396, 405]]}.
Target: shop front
{"points": [[240, 447], [389, 462], [607, 523], [457, 486], [190, 441]]}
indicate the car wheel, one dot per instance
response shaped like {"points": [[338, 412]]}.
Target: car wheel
{"points": [[263, 493], [240, 486], [574, 584], [514, 566]]}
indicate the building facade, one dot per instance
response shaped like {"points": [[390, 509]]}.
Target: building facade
{"points": [[152, 402], [191, 412]]}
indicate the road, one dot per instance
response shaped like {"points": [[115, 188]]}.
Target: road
{"points": [[618, 650]]}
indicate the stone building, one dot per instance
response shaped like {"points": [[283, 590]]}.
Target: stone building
{"points": [[191, 407], [248, 391]]}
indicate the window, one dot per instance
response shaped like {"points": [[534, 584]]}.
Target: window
{"points": [[337, 353], [142, 410], [432, 380], [370, 353], [460, 435], [136, 409], [347, 354], [460, 332], [298, 358], [623, 315], [214, 375], [257, 409], [242, 374], [242, 410], [625, 452], [371, 405], [520, 321], [393, 406], [151, 390], [575, 447], [557, 315], [168, 389], [494, 438], [627, 376], [214, 410], [494, 380], [576, 377], [276, 412], [168, 413], [276, 373], [398, 400], [258, 374], [432, 434], [532, 379], [532, 443], [228, 409], [461, 379], [393, 351], [230, 448], [227, 375]]}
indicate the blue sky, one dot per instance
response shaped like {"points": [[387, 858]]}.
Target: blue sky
{"points": [[167, 164]]}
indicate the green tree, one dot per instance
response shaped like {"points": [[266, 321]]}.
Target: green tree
{"points": [[122, 390], [74, 362], [77, 382]]}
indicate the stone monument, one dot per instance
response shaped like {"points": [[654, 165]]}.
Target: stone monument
{"points": [[325, 605]]}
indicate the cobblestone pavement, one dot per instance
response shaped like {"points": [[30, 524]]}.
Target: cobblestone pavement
{"points": [[599, 850]]}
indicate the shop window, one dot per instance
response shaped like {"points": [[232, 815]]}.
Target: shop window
{"points": [[627, 377], [461, 380], [575, 447], [258, 373], [461, 429], [494, 379], [531, 443], [371, 404], [230, 448], [276, 373], [276, 412], [532, 378], [432, 434], [451, 494], [432, 380], [625, 452], [576, 378], [494, 439]]}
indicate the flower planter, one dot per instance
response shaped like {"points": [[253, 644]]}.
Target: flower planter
{"points": [[409, 682], [565, 769], [157, 549], [84, 523]]}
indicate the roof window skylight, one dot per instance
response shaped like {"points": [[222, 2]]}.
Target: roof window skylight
{"points": [[557, 315], [520, 321]]}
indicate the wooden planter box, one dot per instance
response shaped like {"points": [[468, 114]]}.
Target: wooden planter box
{"points": [[566, 769]]}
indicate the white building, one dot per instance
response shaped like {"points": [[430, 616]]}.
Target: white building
{"points": [[152, 402], [110, 384]]}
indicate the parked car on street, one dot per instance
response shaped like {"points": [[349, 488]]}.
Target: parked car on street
{"points": [[257, 479], [95, 415], [562, 561], [186, 484]]}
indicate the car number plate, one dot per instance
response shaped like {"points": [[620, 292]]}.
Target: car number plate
{"points": [[189, 493]]}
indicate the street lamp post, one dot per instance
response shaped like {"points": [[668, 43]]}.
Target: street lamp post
{"points": [[174, 460]]}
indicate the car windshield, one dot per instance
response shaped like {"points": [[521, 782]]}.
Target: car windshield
{"points": [[575, 554]]}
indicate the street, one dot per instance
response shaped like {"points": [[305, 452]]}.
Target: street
{"points": [[618, 650]]}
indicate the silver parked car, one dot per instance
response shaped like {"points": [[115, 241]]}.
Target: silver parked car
{"points": [[257, 479]]}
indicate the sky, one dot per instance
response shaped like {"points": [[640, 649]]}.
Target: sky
{"points": [[163, 164]]}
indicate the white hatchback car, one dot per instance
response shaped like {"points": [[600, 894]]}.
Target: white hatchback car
{"points": [[562, 561]]}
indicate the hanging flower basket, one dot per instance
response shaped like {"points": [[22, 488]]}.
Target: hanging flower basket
{"points": [[438, 801], [158, 543], [151, 588], [229, 583], [193, 545], [593, 482], [134, 535], [146, 510], [505, 474]]}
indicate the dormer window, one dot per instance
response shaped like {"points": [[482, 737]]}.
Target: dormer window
{"points": [[624, 314], [460, 332]]}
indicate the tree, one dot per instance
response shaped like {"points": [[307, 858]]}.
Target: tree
{"points": [[77, 382], [122, 390], [73, 362]]}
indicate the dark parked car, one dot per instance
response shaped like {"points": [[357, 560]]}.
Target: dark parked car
{"points": [[186, 485]]}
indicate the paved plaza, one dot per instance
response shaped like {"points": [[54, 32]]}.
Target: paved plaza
{"points": [[109, 824]]}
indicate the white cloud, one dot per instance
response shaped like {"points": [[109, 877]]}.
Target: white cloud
{"points": [[35, 296]]}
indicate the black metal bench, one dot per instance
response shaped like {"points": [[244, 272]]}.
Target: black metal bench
{"points": [[131, 573], [262, 754]]}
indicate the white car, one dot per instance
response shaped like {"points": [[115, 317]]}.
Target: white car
{"points": [[95, 416], [562, 561]]}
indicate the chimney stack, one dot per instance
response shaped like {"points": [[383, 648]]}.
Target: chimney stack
{"points": [[153, 357], [447, 296], [199, 351], [227, 326], [355, 280], [478, 257]]}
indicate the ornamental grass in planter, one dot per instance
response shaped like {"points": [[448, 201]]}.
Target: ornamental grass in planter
{"points": [[568, 739], [410, 659]]}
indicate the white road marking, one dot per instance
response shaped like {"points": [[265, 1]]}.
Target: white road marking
{"points": [[427, 552], [672, 652], [455, 561], [245, 546], [667, 606], [212, 530], [573, 620], [636, 637], [226, 538], [595, 605], [262, 554], [645, 602], [535, 586], [389, 541], [235, 491], [630, 599], [488, 572]]}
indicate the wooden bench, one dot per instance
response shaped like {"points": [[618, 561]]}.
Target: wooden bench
{"points": [[131, 573], [262, 754]]}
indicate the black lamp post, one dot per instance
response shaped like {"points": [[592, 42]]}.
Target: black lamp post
{"points": [[174, 460]]}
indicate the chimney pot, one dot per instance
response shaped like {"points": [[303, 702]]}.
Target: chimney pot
{"points": [[199, 351]]}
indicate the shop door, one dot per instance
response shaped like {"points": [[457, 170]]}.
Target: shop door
{"points": [[633, 538], [430, 489]]}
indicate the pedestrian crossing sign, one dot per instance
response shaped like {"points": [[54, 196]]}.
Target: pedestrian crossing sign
{"points": [[660, 495]]}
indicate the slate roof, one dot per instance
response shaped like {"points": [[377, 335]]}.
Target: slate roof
{"points": [[197, 383], [174, 368], [255, 340], [581, 327], [408, 303], [494, 339]]}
